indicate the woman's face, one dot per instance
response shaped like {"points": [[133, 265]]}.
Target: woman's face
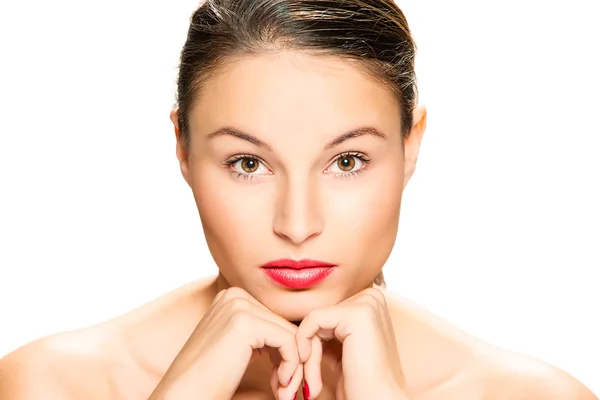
{"points": [[277, 173]]}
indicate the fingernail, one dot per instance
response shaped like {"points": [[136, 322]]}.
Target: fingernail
{"points": [[291, 377], [305, 390], [295, 395]]}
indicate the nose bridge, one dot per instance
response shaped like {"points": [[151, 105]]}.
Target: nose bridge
{"points": [[298, 216]]}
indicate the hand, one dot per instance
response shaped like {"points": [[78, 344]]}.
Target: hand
{"points": [[214, 359], [369, 359]]}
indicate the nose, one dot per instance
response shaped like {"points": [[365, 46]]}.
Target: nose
{"points": [[298, 216]]}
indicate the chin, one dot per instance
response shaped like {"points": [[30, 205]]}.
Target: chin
{"points": [[293, 314], [294, 306]]}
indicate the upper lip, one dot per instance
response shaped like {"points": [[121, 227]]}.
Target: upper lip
{"points": [[287, 263]]}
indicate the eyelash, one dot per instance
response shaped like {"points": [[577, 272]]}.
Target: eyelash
{"points": [[240, 175], [248, 176], [360, 156]]}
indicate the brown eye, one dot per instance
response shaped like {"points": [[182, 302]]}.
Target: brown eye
{"points": [[249, 165], [346, 163]]}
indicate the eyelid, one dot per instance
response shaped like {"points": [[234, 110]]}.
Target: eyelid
{"points": [[231, 161], [361, 156], [366, 160], [235, 158]]}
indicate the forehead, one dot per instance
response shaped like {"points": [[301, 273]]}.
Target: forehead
{"points": [[294, 91]]}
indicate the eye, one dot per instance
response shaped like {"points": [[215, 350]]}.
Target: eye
{"points": [[249, 165], [245, 165], [348, 164]]}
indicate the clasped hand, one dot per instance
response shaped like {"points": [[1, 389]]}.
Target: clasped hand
{"points": [[238, 328], [369, 361]]}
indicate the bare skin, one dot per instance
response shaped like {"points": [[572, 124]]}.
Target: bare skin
{"points": [[126, 357], [285, 194]]}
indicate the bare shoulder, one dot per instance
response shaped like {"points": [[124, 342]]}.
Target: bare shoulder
{"points": [[103, 360], [60, 366], [444, 362], [509, 376], [517, 376]]}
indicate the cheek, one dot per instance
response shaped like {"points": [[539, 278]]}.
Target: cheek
{"points": [[364, 218], [369, 207], [233, 214]]}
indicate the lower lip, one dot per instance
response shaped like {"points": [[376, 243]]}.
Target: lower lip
{"points": [[298, 278]]}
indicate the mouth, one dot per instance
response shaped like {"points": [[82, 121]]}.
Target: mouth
{"points": [[301, 274]]}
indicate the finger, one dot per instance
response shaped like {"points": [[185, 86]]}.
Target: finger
{"points": [[288, 392], [242, 304], [324, 323], [238, 293], [238, 298], [267, 333], [312, 368]]}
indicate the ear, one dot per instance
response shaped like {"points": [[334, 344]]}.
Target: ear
{"points": [[181, 148], [412, 143]]}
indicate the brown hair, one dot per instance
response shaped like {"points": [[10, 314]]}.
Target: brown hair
{"points": [[374, 34]]}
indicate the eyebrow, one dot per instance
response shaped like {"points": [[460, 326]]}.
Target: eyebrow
{"points": [[367, 130], [239, 134], [363, 131]]}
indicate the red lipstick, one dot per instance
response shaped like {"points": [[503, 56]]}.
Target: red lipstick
{"points": [[297, 274]]}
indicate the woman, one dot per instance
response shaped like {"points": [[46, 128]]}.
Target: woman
{"points": [[297, 130]]}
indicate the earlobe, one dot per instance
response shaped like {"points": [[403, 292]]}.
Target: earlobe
{"points": [[412, 143], [181, 149]]}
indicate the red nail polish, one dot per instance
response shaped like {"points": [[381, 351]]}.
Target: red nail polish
{"points": [[292, 377], [305, 390], [295, 394]]}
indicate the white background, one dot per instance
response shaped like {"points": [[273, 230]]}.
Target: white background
{"points": [[500, 224]]}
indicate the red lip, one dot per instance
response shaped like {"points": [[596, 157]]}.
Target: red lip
{"points": [[286, 263], [297, 274]]}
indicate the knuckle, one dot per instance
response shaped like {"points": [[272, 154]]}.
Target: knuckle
{"points": [[376, 295], [312, 315], [370, 300], [290, 342], [219, 296], [238, 304], [306, 324], [234, 292], [365, 309], [241, 321]]}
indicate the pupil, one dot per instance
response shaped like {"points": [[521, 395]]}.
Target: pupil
{"points": [[346, 163], [249, 165]]}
